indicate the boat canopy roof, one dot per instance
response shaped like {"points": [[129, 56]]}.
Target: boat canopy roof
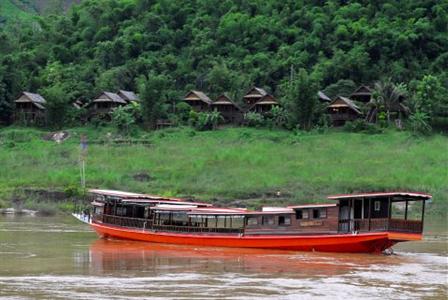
{"points": [[396, 196], [144, 198], [314, 205]]}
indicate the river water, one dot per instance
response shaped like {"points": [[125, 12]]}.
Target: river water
{"points": [[60, 258]]}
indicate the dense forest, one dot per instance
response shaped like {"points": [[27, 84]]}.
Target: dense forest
{"points": [[225, 46]]}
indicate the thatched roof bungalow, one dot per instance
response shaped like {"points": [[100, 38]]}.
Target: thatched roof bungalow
{"points": [[228, 109], [254, 95], [362, 94], [342, 109], [30, 108], [198, 100]]}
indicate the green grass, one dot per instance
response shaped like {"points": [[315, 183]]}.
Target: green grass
{"points": [[234, 164]]}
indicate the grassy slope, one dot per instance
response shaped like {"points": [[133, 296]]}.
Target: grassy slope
{"points": [[235, 163]]}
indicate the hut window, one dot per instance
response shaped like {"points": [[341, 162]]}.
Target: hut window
{"points": [[319, 213], [252, 221], [268, 220], [284, 220], [302, 214], [377, 205]]}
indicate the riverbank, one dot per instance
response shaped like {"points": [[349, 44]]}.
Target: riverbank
{"points": [[232, 166]]}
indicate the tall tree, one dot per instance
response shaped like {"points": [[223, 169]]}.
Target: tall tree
{"points": [[152, 96], [302, 100]]}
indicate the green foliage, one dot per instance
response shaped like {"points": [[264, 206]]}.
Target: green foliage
{"points": [[342, 87], [361, 125], [253, 119], [124, 117], [387, 96], [431, 97], [302, 100], [419, 123], [219, 46], [58, 105], [152, 96], [205, 120]]}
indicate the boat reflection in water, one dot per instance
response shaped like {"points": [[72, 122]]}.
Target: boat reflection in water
{"points": [[107, 256]]}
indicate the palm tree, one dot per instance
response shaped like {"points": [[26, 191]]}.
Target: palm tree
{"points": [[388, 95]]}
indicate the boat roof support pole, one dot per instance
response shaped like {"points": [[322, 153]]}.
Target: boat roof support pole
{"points": [[406, 210], [423, 213]]}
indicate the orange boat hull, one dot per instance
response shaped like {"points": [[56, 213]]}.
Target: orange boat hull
{"points": [[351, 243]]}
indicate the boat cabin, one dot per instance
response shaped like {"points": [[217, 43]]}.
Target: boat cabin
{"points": [[381, 212]]}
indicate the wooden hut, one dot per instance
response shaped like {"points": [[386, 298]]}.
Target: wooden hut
{"points": [[341, 110], [104, 104], [230, 111], [199, 101], [253, 96], [362, 94], [323, 98], [30, 108], [264, 104], [128, 96]]}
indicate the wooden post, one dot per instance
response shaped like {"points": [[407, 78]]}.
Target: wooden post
{"points": [[370, 207], [350, 214], [389, 212], [423, 213], [406, 210]]}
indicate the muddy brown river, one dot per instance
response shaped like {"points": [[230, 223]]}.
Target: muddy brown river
{"points": [[61, 258]]}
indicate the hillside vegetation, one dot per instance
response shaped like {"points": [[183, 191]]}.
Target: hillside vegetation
{"points": [[219, 46], [234, 166]]}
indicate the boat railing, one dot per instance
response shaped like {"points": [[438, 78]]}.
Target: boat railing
{"points": [[122, 221], [380, 224], [147, 224]]}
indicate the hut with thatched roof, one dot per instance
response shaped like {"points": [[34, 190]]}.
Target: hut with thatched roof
{"points": [[128, 96], [253, 96], [362, 94], [264, 104], [30, 109], [103, 105], [228, 109], [342, 109], [198, 100]]}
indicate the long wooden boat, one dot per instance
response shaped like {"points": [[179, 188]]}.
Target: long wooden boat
{"points": [[365, 222]]}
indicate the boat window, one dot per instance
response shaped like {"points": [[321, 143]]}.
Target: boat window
{"points": [[284, 220], [268, 220], [237, 222], [302, 214], [121, 211], [377, 205], [98, 210], [319, 213], [252, 221]]}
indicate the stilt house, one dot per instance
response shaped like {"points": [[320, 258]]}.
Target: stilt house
{"points": [[265, 104], [253, 96], [30, 109], [105, 103], [342, 109], [230, 111], [362, 94], [199, 101]]}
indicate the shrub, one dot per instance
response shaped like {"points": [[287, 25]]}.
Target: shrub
{"points": [[254, 119], [204, 121], [419, 123], [361, 125]]}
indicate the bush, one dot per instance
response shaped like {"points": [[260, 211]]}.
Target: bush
{"points": [[419, 123], [361, 125], [125, 116], [253, 119], [204, 121]]}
